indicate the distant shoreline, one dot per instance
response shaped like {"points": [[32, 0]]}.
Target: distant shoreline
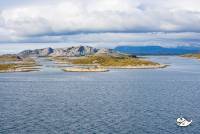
{"points": [[192, 56]]}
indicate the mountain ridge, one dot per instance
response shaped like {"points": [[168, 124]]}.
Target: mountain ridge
{"points": [[74, 51], [67, 51], [157, 50]]}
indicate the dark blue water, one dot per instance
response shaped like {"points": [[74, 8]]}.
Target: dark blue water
{"points": [[119, 101]]}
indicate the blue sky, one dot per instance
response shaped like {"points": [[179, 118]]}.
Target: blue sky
{"points": [[101, 22]]}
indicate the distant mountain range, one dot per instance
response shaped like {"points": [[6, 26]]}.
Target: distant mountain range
{"points": [[157, 50], [68, 52], [74, 51]]}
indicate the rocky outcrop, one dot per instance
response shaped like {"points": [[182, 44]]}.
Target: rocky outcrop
{"points": [[74, 51], [69, 52], [46, 51], [36, 53]]}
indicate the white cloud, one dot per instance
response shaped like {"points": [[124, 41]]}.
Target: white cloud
{"points": [[56, 20]]}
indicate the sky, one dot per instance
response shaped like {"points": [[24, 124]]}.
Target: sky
{"points": [[101, 23]]}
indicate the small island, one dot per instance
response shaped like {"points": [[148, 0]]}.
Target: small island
{"points": [[14, 63], [85, 69], [196, 56]]}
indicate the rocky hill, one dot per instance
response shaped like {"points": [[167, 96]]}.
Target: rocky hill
{"points": [[68, 52], [74, 51], [36, 52]]}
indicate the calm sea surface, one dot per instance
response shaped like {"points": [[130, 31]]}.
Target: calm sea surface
{"points": [[119, 101]]}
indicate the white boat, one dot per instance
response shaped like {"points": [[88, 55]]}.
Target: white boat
{"points": [[182, 122]]}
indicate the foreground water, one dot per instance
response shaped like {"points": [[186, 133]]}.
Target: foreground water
{"points": [[119, 101]]}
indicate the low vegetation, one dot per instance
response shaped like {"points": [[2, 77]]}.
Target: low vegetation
{"points": [[112, 61], [106, 61]]}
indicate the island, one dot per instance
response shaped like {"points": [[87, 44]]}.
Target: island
{"points": [[14, 63], [103, 60], [80, 59], [85, 69], [196, 56]]}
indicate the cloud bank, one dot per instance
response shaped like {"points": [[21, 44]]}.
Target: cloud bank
{"points": [[108, 21]]}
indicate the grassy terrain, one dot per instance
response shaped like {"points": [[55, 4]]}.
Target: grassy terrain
{"points": [[197, 56], [113, 61], [103, 60]]}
